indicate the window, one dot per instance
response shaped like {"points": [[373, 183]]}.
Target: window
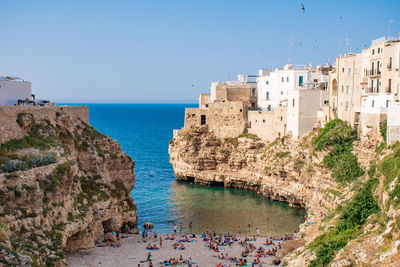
{"points": [[377, 85], [347, 90], [287, 79], [283, 79], [372, 86], [343, 70], [347, 105], [253, 92], [241, 110], [342, 88], [389, 90], [203, 119], [206, 105], [373, 51], [300, 80], [387, 103], [281, 92], [379, 50], [377, 67], [293, 102], [267, 95], [373, 103], [281, 118], [267, 82], [264, 121]]}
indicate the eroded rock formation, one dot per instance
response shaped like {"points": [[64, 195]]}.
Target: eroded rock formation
{"points": [[63, 185]]}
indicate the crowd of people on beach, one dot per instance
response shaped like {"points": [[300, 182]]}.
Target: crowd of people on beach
{"points": [[250, 255]]}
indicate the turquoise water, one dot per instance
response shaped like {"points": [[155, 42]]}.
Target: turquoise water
{"points": [[143, 131]]}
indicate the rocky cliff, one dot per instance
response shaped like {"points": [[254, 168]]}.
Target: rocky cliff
{"points": [[352, 211], [63, 185]]}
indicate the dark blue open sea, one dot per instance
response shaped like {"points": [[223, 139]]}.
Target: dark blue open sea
{"points": [[143, 131]]}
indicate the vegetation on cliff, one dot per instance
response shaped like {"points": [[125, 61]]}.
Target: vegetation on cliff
{"points": [[44, 211], [338, 136]]}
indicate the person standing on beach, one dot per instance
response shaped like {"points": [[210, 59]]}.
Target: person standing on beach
{"points": [[160, 242], [257, 232], [149, 257], [239, 230], [175, 228], [189, 262]]}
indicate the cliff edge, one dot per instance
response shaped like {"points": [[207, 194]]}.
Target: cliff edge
{"points": [[347, 185], [63, 184]]}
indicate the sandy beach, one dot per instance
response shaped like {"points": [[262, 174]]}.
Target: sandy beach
{"points": [[133, 252]]}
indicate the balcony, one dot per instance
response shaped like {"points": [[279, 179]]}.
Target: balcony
{"points": [[372, 73]]}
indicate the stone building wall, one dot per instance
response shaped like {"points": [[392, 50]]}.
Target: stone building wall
{"points": [[9, 128], [224, 119], [268, 125]]}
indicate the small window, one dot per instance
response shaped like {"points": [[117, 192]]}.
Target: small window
{"points": [[373, 103], [267, 82], [373, 51], [203, 119], [342, 88], [253, 92], [281, 92], [264, 121], [267, 95], [300, 80], [293, 102], [343, 70], [281, 118], [206, 105], [241, 110], [387, 103], [283, 79], [347, 105], [287, 79]]}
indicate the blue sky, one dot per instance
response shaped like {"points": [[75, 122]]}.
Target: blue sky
{"points": [[154, 51]]}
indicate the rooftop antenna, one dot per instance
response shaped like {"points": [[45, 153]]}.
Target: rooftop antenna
{"points": [[348, 44], [390, 22], [340, 48], [291, 43]]}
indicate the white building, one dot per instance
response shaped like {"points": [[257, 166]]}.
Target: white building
{"points": [[13, 89], [393, 122], [275, 87]]}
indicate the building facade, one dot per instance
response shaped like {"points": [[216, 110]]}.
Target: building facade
{"points": [[13, 89]]}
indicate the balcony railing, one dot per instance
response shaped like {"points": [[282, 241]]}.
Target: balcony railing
{"points": [[372, 73]]}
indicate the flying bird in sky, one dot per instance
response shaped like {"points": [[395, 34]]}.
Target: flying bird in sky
{"points": [[302, 8]]}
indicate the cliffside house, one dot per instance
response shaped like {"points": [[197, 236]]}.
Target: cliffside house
{"points": [[363, 84], [14, 89]]}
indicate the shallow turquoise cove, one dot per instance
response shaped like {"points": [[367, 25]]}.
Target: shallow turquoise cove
{"points": [[143, 131]]}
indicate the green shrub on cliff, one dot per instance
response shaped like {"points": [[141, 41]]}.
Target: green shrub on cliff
{"points": [[383, 129], [354, 215], [338, 136]]}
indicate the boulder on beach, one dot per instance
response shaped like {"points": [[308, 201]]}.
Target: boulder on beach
{"points": [[148, 225]]}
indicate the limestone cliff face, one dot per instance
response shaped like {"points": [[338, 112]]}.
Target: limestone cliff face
{"points": [[294, 172], [282, 170], [63, 184]]}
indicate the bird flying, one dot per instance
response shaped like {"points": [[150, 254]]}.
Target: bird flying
{"points": [[302, 8]]}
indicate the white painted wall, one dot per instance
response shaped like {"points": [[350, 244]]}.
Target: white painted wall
{"points": [[302, 112], [275, 87], [376, 103], [11, 91], [393, 122]]}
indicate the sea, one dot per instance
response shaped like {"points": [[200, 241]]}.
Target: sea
{"points": [[144, 131]]}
